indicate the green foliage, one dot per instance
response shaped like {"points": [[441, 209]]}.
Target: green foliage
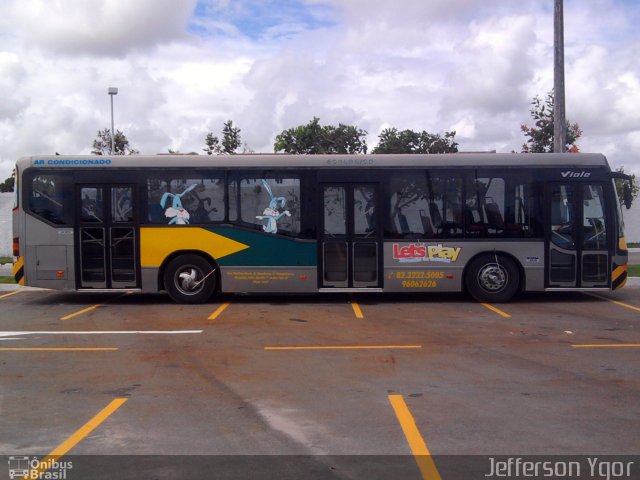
{"points": [[102, 144], [213, 144], [314, 138], [231, 141], [8, 184], [633, 270], [620, 186], [4, 260], [541, 135], [407, 141]]}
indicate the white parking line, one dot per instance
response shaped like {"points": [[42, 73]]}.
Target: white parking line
{"points": [[101, 332]]}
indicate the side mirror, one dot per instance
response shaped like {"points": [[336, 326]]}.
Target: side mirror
{"points": [[627, 195]]}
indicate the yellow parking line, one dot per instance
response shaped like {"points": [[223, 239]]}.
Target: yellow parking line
{"points": [[10, 293], [344, 347], [58, 349], [80, 312], [417, 444], [88, 309], [607, 345], [625, 305], [74, 439], [356, 310], [496, 310], [219, 311]]}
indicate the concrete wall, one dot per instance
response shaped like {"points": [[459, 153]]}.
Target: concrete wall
{"points": [[6, 234]]}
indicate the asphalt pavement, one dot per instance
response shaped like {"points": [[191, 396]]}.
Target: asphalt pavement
{"points": [[317, 386]]}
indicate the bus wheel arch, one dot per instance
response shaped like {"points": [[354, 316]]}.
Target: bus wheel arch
{"points": [[493, 277], [189, 276]]}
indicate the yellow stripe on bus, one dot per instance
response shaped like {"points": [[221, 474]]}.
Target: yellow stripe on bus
{"points": [[618, 271], [616, 275], [16, 268], [157, 243], [622, 243]]}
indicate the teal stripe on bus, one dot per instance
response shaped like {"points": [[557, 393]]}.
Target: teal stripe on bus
{"points": [[266, 250]]}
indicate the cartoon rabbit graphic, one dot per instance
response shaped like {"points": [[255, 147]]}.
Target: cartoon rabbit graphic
{"points": [[178, 215], [272, 213]]}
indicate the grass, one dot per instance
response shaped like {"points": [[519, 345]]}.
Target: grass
{"points": [[7, 279], [634, 271], [4, 260]]}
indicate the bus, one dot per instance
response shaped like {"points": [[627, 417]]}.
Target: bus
{"points": [[492, 225]]}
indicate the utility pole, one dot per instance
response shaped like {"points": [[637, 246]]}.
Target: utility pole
{"points": [[559, 122]]}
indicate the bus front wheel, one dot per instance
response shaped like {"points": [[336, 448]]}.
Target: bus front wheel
{"points": [[492, 278], [189, 279]]}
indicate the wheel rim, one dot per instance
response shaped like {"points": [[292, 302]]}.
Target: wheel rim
{"points": [[492, 278], [188, 280]]}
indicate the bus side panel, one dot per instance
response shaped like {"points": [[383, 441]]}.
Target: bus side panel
{"points": [[269, 279], [438, 266], [48, 257], [249, 261], [268, 263]]}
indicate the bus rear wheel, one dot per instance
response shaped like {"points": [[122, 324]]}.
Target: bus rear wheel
{"points": [[492, 278], [189, 279]]}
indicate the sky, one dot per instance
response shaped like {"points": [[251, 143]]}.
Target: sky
{"points": [[184, 67]]}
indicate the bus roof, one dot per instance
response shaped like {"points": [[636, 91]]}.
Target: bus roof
{"points": [[318, 161]]}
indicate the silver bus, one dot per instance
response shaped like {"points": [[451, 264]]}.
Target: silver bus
{"points": [[492, 225]]}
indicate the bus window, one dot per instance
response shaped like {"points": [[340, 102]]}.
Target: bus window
{"points": [[270, 204], [181, 201], [425, 206], [593, 220], [49, 198], [504, 206], [409, 202], [445, 204]]}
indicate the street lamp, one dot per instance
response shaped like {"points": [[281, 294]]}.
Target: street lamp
{"points": [[112, 91]]}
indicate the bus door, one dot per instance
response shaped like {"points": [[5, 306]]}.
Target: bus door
{"points": [[578, 236], [350, 235], [106, 236]]}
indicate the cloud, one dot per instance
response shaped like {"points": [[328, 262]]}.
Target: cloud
{"points": [[183, 68], [99, 27]]}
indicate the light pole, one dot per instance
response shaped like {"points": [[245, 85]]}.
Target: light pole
{"points": [[112, 91], [559, 122]]}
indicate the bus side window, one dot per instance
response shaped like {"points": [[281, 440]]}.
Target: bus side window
{"points": [[409, 206], [271, 205], [182, 201], [49, 198]]}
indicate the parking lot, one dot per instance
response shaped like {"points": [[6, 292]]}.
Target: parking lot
{"points": [[396, 386]]}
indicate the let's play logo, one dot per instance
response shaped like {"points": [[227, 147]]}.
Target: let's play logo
{"points": [[425, 253]]}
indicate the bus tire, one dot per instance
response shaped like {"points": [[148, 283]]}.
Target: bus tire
{"points": [[492, 278], [189, 279]]}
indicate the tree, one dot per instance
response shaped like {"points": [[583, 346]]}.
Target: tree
{"points": [[102, 144], [407, 141], [213, 144], [314, 138], [8, 184], [231, 141], [541, 135], [620, 186]]}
